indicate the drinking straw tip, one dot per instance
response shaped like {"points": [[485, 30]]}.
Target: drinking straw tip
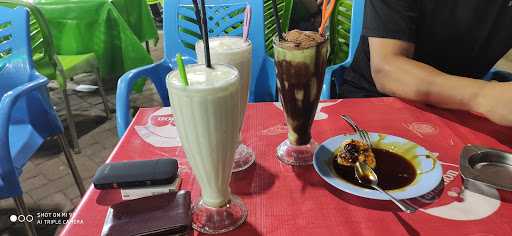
{"points": [[181, 69], [327, 10], [199, 20], [204, 28], [277, 20], [247, 22]]}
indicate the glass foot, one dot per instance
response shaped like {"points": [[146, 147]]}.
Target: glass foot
{"points": [[210, 220], [244, 157], [296, 155]]}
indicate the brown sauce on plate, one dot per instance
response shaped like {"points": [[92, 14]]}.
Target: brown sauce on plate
{"points": [[393, 170]]}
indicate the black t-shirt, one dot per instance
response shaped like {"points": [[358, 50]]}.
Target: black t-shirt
{"points": [[458, 37]]}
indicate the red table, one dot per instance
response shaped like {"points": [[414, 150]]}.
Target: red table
{"points": [[285, 200]]}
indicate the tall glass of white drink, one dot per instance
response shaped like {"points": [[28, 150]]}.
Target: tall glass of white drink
{"points": [[208, 119], [237, 52]]}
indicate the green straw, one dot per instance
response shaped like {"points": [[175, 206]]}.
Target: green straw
{"points": [[181, 69]]}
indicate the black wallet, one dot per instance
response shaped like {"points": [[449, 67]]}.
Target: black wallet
{"points": [[166, 214], [131, 174]]}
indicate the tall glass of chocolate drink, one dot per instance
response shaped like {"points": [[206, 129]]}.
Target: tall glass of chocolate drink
{"points": [[300, 60]]}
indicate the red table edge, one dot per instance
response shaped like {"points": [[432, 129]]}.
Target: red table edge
{"points": [[91, 187]]}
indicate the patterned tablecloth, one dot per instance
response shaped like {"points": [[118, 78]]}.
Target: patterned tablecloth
{"points": [[285, 200]]}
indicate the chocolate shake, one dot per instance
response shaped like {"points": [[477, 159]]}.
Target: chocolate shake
{"points": [[301, 59]]}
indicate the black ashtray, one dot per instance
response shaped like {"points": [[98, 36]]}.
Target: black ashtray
{"points": [[483, 167]]}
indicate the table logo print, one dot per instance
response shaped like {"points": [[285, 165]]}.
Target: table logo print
{"points": [[275, 130], [461, 203], [160, 130], [422, 128], [162, 120]]}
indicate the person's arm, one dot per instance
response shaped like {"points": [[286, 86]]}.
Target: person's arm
{"points": [[396, 74]]}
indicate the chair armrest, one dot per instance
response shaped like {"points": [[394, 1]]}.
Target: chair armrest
{"points": [[326, 88], [345, 64], [501, 76], [7, 104], [125, 86]]}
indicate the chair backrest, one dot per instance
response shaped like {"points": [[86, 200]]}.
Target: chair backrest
{"points": [[15, 52], [181, 31], [15, 64], [285, 10], [346, 28], [151, 2], [16, 69], [40, 36]]}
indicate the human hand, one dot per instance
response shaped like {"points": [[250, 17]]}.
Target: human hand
{"points": [[495, 102]]}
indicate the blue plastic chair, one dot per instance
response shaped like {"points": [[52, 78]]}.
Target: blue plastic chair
{"points": [[27, 117], [498, 75], [355, 34], [181, 32]]}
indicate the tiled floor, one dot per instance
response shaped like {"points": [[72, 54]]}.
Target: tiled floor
{"points": [[46, 181]]}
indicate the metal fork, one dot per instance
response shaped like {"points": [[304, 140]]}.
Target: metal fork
{"points": [[361, 132], [366, 137]]}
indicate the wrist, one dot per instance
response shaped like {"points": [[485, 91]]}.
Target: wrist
{"points": [[477, 101]]}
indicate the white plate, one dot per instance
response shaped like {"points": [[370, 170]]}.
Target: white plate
{"points": [[429, 169]]}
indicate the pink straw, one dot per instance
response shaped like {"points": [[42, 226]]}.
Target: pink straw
{"points": [[247, 22]]}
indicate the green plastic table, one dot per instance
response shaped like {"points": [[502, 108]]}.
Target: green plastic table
{"points": [[85, 26], [137, 15]]}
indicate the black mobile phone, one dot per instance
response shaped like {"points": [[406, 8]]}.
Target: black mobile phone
{"points": [[132, 174]]}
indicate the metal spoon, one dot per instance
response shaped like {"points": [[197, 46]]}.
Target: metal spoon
{"points": [[366, 175]]}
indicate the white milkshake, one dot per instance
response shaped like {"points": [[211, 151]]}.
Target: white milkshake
{"points": [[208, 119], [233, 51], [237, 52]]}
